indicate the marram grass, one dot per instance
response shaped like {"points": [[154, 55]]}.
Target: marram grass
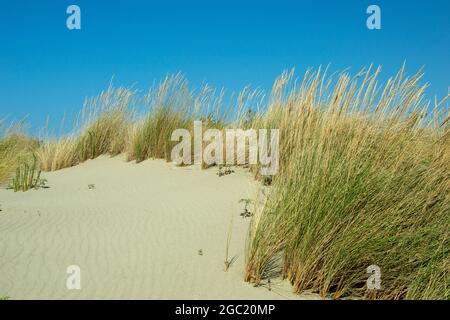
{"points": [[364, 181], [14, 147]]}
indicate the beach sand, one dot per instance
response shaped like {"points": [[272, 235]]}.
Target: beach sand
{"points": [[135, 235]]}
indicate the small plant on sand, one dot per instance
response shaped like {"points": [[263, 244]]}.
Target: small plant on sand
{"points": [[228, 262], [5, 298], [246, 213], [27, 177], [225, 171], [91, 186]]}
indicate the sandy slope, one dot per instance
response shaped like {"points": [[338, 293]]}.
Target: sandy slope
{"points": [[136, 235]]}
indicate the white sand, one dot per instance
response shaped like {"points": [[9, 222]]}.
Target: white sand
{"points": [[136, 235]]}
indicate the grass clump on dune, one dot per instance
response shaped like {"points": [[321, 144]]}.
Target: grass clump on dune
{"points": [[172, 105], [27, 176], [102, 128], [105, 121], [168, 108], [15, 147], [363, 181]]}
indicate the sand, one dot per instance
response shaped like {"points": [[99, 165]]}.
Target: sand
{"points": [[135, 235]]}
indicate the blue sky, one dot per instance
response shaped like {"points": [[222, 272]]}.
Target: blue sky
{"points": [[46, 69]]}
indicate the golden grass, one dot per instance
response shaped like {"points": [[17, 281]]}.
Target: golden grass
{"points": [[15, 147], [364, 180]]}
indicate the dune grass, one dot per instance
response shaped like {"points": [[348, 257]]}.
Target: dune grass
{"points": [[15, 147], [169, 108], [363, 181], [27, 176], [139, 125], [101, 128], [364, 173]]}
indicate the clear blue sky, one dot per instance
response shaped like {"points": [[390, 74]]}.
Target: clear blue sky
{"points": [[46, 69]]}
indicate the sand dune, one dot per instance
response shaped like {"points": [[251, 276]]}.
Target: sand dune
{"points": [[135, 235]]}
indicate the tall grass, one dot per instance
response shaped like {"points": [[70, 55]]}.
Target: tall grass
{"points": [[139, 125], [364, 181], [101, 128], [169, 108], [15, 147]]}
